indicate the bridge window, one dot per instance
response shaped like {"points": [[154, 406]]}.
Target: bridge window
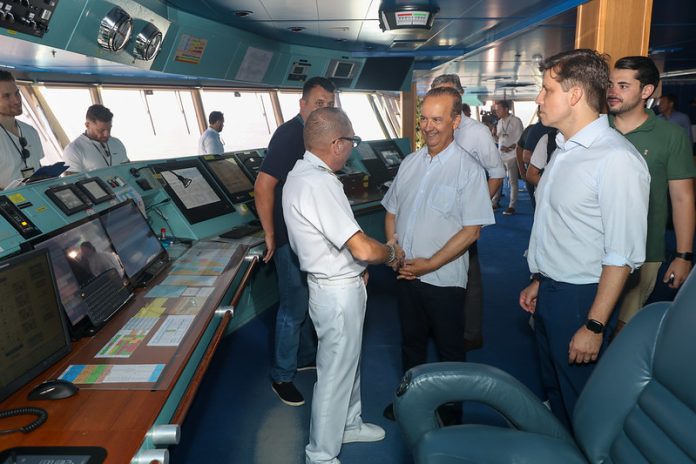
{"points": [[249, 119], [289, 104], [361, 113], [153, 123]]}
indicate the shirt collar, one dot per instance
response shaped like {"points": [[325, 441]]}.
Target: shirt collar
{"points": [[647, 125], [440, 157], [585, 136], [299, 118], [314, 160]]}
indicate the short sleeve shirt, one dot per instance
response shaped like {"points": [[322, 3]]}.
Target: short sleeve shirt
{"points": [[11, 163], [210, 143], [284, 150], [319, 220], [433, 198], [84, 154]]}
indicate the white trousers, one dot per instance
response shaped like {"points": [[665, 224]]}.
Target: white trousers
{"points": [[337, 309]]}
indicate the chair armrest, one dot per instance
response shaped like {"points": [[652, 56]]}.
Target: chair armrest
{"points": [[427, 386], [493, 445]]}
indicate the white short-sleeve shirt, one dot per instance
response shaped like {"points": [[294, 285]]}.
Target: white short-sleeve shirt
{"points": [[11, 163], [509, 131], [540, 154], [210, 143], [433, 198], [84, 154], [319, 220]]}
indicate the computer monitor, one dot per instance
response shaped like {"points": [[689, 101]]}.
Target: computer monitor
{"points": [[193, 190], [33, 331], [80, 252], [227, 170], [251, 161], [375, 166], [389, 152], [132, 238]]}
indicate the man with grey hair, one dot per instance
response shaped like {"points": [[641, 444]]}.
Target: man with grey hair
{"points": [[333, 251], [475, 138]]}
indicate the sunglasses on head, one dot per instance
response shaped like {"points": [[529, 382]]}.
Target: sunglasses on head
{"points": [[25, 152]]}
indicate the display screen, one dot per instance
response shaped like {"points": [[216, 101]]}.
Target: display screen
{"points": [[226, 169], [96, 189], [33, 333], [79, 253], [132, 238], [193, 190], [390, 154], [69, 198]]}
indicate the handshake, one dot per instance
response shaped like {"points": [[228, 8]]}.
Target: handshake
{"points": [[395, 255]]}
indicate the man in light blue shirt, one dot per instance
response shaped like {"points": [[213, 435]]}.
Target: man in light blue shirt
{"points": [[668, 112], [590, 225], [436, 206], [210, 142]]}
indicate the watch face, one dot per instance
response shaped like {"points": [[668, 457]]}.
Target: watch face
{"points": [[147, 42], [115, 30]]}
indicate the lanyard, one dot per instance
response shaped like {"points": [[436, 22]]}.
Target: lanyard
{"points": [[105, 147], [21, 156]]}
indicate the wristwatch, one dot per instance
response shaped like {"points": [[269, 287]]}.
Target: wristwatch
{"points": [[536, 276], [594, 326], [687, 256], [391, 253]]}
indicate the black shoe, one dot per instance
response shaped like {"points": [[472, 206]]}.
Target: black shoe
{"points": [[288, 394], [389, 412], [473, 344]]}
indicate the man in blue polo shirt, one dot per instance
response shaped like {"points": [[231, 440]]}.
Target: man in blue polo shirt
{"points": [[295, 342]]}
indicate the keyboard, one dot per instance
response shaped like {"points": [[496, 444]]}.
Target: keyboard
{"points": [[242, 231], [104, 295]]}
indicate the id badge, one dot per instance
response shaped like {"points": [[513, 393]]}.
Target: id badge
{"points": [[27, 173]]}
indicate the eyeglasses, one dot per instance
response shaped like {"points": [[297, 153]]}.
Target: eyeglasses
{"points": [[25, 152], [355, 140]]}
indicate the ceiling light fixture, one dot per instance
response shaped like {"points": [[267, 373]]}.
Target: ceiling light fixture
{"points": [[243, 13], [296, 29]]}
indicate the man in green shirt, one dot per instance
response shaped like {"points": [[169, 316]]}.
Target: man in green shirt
{"points": [[668, 154]]}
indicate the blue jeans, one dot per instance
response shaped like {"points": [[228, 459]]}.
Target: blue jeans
{"points": [[295, 339]]}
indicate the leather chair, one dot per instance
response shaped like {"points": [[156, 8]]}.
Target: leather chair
{"points": [[639, 405]]}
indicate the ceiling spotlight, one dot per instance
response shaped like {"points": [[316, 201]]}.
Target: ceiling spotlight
{"points": [[243, 13], [296, 29]]}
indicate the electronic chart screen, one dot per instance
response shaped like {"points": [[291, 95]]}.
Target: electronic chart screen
{"points": [[132, 237], [193, 190], [67, 198], [80, 253], [230, 176], [389, 152], [33, 332]]}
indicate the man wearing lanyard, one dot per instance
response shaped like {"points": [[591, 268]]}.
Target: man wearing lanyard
{"points": [[20, 145], [95, 149], [334, 251]]}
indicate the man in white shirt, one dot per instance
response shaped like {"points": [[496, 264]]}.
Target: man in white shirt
{"points": [[475, 138], [508, 131], [20, 145], [437, 204], [590, 225], [334, 251], [210, 142], [95, 148]]}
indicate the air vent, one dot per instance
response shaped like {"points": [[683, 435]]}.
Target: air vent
{"points": [[406, 44]]}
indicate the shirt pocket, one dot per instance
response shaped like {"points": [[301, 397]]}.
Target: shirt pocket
{"points": [[442, 199]]}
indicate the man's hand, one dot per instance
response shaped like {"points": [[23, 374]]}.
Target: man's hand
{"points": [[270, 248], [413, 268], [399, 253], [528, 297], [679, 268], [584, 346]]}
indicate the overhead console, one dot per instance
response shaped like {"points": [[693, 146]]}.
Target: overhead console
{"points": [[27, 16]]}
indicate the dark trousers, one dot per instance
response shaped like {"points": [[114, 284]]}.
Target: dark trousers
{"points": [[561, 310], [425, 310], [473, 302], [531, 188]]}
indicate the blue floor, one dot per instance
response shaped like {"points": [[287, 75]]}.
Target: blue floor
{"points": [[237, 419]]}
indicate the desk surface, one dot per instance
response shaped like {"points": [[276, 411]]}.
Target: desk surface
{"points": [[118, 418]]}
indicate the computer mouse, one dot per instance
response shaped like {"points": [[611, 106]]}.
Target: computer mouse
{"points": [[53, 389]]}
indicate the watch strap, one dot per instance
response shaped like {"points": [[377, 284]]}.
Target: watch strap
{"points": [[688, 256]]}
